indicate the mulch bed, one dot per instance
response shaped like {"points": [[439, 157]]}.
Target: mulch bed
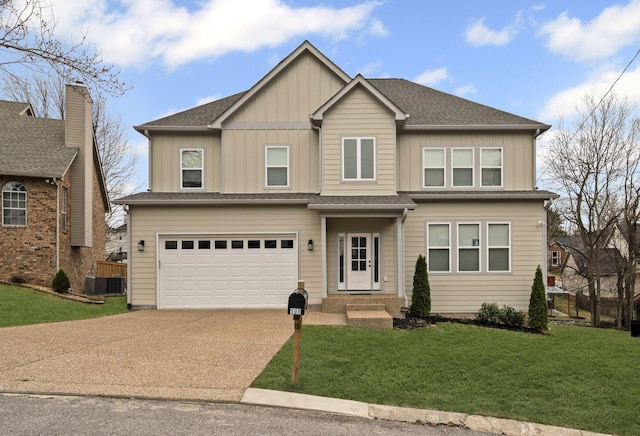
{"points": [[415, 322]]}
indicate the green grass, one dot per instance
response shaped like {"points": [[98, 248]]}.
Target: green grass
{"points": [[23, 306], [572, 377]]}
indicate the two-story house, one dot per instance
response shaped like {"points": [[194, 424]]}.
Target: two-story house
{"points": [[341, 182], [54, 196]]}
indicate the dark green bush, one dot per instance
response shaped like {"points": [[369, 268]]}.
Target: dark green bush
{"points": [[489, 314], [60, 282], [538, 315], [512, 317], [421, 295]]}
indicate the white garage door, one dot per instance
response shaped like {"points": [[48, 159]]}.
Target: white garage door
{"points": [[227, 271]]}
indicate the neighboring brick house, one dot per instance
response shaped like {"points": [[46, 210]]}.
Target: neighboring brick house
{"points": [[54, 196]]}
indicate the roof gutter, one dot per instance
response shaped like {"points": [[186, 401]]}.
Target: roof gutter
{"points": [[203, 202], [538, 128]]}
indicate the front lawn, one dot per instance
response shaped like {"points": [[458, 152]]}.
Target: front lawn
{"points": [[572, 377], [22, 306]]}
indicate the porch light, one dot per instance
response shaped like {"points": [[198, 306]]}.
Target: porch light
{"points": [[141, 245], [310, 245]]}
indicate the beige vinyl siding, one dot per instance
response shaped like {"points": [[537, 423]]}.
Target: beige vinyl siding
{"points": [[147, 222], [244, 159], [518, 156], [164, 158], [465, 292], [79, 134], [359, 115], [296, 92], [383, 226]]}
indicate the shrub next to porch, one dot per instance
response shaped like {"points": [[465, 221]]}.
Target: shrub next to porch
{"points": [[421, 295]]}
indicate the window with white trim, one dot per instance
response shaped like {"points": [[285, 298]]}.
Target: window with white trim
{"points": [[498, 247], [491, 166], [192, 168], [462, 167], [433, 164], [358, 159], [555, 258], [469, 247], [276, 166], [438, 247], [14, 204]]}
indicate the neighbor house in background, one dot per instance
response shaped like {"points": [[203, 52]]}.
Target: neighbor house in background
{"points": [[342, 182], [117, 243], [54, 197]]}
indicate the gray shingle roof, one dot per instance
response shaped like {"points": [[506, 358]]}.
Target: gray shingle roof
{"points": [[200, 116], [429, 107], [32, 146], [426, 106]]}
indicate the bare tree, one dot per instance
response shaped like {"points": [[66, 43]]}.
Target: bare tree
{"points": [[589, 167], [46, 97], [27, 39]]}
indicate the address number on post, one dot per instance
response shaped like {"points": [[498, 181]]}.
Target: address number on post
{"points": [[295, 311]]}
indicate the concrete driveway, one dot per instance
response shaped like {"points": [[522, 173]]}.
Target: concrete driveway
{"points": [[211, 355]]}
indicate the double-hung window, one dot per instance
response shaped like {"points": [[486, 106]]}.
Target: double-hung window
{"points": [[14, 204], [358, 159], [433, 163], [499, 246], [491, 163], [469, 247], [277, 166], [192, 168], [555, 258], [462, 167], [438, 247]]}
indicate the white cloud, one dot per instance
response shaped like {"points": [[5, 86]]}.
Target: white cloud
{"points": [[478, 34], [132, 32], [466, 90], [433, 77], [564, 103], [370, 69], [207, 99], [615, 28]]}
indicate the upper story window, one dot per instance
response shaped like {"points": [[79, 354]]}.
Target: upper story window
{"points": [[191, 165], [358, 159], [433, 163], [63, 211], [555, 258], [14, 204], [277, 166], [462, 166], [491, 163]]}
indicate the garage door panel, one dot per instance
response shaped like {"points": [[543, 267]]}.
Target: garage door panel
{"points": [[227, 272]]}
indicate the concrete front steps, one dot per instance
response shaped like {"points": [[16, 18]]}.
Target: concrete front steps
{"points": [[368, 315], [368, 310]]}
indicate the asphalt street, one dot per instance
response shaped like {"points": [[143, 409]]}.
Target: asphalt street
{"points": [[28, 414]]}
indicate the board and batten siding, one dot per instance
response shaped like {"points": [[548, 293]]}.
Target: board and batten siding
{"points": [[518, 156], [298, 90], [164, 158], [465, 292], [384, 226], [244, 159], [359, 114], [149, 221]]}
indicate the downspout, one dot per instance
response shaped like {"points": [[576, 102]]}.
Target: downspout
{"points": [[400, 274], [53, 179], [127, 220]]}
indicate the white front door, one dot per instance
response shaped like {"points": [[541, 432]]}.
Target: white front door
{"points": [[359, 261]]}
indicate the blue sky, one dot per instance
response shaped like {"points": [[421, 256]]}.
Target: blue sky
{"points": [[532, 58]]}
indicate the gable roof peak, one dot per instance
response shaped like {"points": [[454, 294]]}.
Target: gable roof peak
{"points": [[305, 47]]}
